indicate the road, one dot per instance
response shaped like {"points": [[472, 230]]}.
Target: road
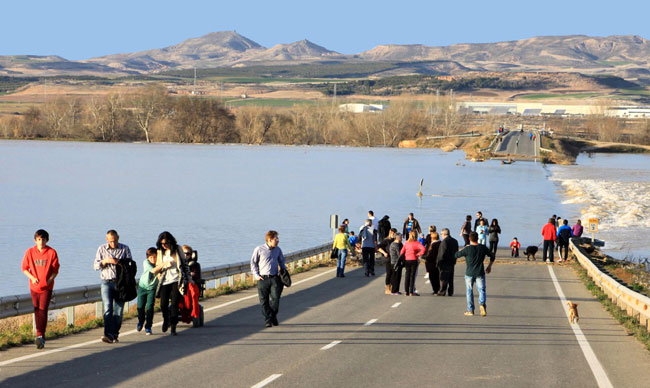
{"points": [[383, 340], [517, 143]]}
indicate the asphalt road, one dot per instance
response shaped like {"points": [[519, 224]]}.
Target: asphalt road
{"points": [[385, 340], [518, 143]]}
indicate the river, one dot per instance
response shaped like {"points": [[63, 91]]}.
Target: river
{"points": [[221, 199]]}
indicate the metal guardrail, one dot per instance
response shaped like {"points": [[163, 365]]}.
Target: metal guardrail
{"points": [[15, 305], [477, 134], [635, 304]]}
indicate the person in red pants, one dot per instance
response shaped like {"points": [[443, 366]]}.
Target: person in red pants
{"points": [[41, 265]]}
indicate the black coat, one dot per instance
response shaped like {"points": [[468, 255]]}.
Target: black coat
{"points": [[383, 227], [446, 253]]}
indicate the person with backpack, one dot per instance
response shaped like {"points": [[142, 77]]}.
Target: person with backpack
{"points": [[41, 265], [564, 233], [106, 260]]}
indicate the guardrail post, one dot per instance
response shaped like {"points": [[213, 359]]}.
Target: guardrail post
{"points": [[243, 278], [69, 315], [231, 280], [99, 309], [216, 283], [307, 261]]}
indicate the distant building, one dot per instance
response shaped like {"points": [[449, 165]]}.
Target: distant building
{"points": [[362, 108], [634, 112]]}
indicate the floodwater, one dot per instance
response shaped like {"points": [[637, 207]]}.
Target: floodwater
{"points": [[221, 199]]}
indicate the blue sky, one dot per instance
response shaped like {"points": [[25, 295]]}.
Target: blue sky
{"points": [[84, 29]]}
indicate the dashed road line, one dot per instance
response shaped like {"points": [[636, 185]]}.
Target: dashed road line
{"points": [[370, 322], [330, 345], [266, 381], [396, 305]]}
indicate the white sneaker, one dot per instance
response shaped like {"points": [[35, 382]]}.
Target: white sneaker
{"points": [[426, 275], [548, 261], [560, 260]]}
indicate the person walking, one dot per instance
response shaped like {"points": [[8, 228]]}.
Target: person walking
{"points": [[475, 272], [383, 228], [384, 249], [577, 229], [173, 278], [411, 224], [264, 265], [446, 262], [41, 266], [147, 286], [493, 235], [563, 235], [466, 229], [107, 257], [412, 251], [549, 233], [342, 243], [396, 274], [368, 245], [431, 261]]}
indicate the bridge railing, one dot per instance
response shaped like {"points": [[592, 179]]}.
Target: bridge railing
{"points": [[635, 304], [68, 298]]}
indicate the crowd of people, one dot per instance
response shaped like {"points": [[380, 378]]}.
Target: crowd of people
{"points": [[172, 273]]}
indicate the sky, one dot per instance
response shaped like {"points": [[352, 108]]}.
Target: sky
{"points": [[79, 30]]}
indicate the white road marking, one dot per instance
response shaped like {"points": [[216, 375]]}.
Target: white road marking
{"points": [[396, 304], [592, 360], [330, 345], [266, 381], [122, 335], [370, 322]]}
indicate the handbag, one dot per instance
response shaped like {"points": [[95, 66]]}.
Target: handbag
{"points": [[285, 278], [335, 253]]}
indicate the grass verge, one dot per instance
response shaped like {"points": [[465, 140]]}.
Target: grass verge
{"points": [[17, 331], [629, 323]]}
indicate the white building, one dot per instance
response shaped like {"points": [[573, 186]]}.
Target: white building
{"points": [[361, 108]]}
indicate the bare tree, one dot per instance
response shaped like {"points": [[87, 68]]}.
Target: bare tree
{"points": [[148, 106]]}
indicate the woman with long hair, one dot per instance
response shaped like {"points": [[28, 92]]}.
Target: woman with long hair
{"points": [[412, 251], [493, 232], [173, 278], [431, 260], [466, 229]]}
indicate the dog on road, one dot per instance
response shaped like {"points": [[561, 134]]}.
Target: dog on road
{"points": [[573, 312], [530, 252]]}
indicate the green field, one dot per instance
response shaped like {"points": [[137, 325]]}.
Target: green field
{"points": [[273, 102]]}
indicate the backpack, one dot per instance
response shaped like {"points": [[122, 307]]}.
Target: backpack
{"points": [[125, 283]]}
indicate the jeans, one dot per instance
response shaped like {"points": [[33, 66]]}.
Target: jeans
{"points": [[113, 309], [548, 246], [480, 285], [409, 280], [340, 261], [146, 300], [368, 255], [41, 302], [481, 240], [269, 291]]}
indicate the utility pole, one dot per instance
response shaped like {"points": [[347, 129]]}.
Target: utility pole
{"points": [[194, 89]]}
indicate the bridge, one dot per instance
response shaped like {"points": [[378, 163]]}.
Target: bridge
{"points": [[517, 143], [345, 332]]}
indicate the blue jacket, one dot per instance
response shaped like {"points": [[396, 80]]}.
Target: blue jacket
{"points": [[564, 233]]}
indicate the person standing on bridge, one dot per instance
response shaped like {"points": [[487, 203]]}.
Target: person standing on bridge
{"points": [[41, 265], [383, 228], [466, 229], [446, 263], [577, 229], [493, 235], [549, 233], [396, 270], [108, 255], [264, 265], [412, 252], [411, 224], [477, 222], [384, 248], [431, 258], [564, 234], [368, 245], [342, 243], [174, 279], [475, 272]]}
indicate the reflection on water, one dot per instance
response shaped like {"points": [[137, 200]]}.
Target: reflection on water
{"points": [[615, 188], [222, 199]]}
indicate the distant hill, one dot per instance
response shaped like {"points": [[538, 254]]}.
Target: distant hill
{"points": [[625, 56]]}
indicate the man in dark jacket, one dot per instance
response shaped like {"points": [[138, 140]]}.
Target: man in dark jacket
{"points": [[446, 263], [383, 247], [411, 224], [477, 222], [396, 271], [383, 227], [563, 236]]}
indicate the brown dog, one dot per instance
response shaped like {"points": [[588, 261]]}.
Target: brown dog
{"points": [[573, 312]]}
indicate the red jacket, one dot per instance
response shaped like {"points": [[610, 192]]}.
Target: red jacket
{"points": [[41, 265], [412, 250], [549, 232]]}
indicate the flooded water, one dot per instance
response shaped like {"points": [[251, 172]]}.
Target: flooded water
{"points": [[221, 199], [615, 188]]}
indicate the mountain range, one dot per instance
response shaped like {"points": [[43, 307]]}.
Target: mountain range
{"points": [[626, 56]]}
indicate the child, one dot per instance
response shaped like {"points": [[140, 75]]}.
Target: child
{"points": [[353, 243], [515, 245], [190, 300], [147, 291], [41, 265], [421, 240], [482, 230]]}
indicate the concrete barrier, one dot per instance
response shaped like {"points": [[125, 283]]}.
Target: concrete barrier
{"points": [[635, 304], [14, 305]]}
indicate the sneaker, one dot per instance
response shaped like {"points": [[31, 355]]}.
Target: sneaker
{"points": [[40, 342], [107, 339], [147, 331], [396, 293], [469, 313], [548, 261], [560, 260], [268, 324], [138, 327], [115, 340], [165, 326], [426, 275], [415, 294], [483, 311]]}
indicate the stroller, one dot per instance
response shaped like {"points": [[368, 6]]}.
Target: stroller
{"points": [[189, 308]]}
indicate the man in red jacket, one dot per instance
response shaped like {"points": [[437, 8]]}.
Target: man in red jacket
{"points": [[41, 265], [549, 232]]}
